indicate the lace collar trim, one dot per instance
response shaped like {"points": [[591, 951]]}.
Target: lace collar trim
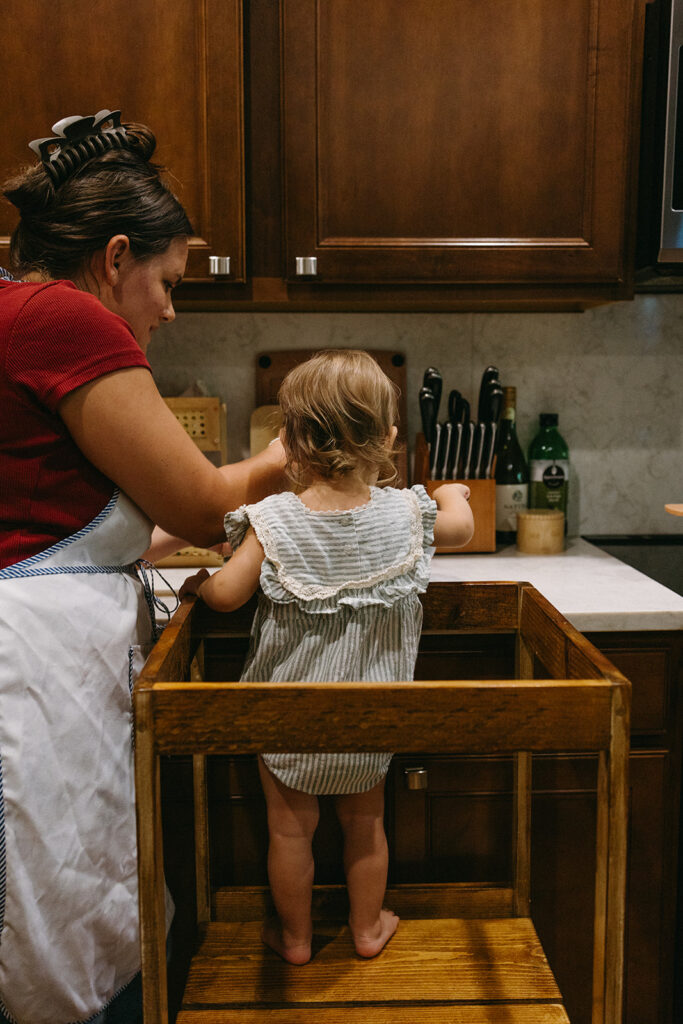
{"points": [[309, 592]]}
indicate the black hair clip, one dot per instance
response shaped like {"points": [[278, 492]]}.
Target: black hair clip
{"points": [[77, 139]]}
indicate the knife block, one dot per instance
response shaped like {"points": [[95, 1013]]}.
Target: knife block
{"points": [[482, 502]]}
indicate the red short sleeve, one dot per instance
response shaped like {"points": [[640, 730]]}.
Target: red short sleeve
{"points": [[53, 339], [62, 338]]}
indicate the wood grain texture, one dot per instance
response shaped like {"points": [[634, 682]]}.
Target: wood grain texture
{"points": [[509, 1013], [564, 651], [426, 961], [485, 959], [199, 125], [330, 902], [457, 717], [460, 174]]}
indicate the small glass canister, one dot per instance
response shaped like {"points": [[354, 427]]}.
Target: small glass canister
{"points": [[540, 531]]}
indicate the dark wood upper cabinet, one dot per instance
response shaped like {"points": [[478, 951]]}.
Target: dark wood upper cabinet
{"points": [[178, 68], [432, 155], [476, 142]]}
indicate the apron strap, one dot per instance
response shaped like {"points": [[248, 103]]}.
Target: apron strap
{"points": [[145, 572]]}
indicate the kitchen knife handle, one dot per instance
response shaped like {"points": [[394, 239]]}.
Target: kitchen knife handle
{"points": [[445, 453], [468, 452], [454, 462], [492, 450], [434, 451], [481, 433]]}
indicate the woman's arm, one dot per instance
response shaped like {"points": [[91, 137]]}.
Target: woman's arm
{"points": [[454, 521], [164, 544], [234, 584], [123, 426]]}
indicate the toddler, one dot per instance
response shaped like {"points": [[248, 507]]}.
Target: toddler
{"points": [[340, 564]]}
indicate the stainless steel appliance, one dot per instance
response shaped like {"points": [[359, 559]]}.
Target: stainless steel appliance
{"points": [[671, 232]]}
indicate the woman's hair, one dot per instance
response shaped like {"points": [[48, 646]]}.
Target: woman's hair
{"points": [[337, 411], [102, 194]]}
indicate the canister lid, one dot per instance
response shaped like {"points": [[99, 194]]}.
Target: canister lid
{"points": [[541, 513]]}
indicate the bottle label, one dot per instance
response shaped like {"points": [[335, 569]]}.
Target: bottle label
{"points": [[549, 478], [510, 499]]}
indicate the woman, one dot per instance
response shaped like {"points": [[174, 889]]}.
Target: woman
{"points": [[90, 457]]}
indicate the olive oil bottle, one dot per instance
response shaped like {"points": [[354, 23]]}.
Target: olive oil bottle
{"points": [[549, 466], [512, 473]]}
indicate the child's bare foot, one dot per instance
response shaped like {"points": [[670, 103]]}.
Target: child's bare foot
{"points": [[293, 953], [372, 941]]}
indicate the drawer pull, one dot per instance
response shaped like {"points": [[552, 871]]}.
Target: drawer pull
{"points": [[416, 778], [306, 266], [219, 265]]}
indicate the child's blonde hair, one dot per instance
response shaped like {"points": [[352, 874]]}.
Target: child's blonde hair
{"points": [[338, 409]]}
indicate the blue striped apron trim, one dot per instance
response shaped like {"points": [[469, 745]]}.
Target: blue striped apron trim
{"points": [[65, 542], [21, 570]]}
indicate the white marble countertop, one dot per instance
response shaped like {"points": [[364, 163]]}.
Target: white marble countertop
{"points": [[595, 591]]}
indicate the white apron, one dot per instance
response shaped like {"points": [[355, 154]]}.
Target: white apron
{"points": [[75, 627]]}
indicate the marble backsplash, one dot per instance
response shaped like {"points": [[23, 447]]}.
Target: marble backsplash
{"points": [[613, 374]]}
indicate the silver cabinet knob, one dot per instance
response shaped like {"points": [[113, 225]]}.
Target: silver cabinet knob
{"points": [[219, 265], [306, 266], [416, 778]]}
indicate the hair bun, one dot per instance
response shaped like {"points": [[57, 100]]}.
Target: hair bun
{"points": [[141, 139]]}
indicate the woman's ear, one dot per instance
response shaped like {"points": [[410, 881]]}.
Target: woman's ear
{"points": [[116, 252], [391, 437]]}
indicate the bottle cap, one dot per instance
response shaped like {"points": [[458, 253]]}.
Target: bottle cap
{"points": [[548, 419], [509, 402]]}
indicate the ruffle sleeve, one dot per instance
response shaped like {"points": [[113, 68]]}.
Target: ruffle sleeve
{"points": [[428, 513], [236, 525]]}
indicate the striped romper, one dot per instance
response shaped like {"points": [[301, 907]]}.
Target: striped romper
{"points": [[339, 602]]}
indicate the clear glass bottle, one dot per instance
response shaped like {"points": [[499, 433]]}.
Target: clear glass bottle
{"points": [[549, 466], [512, 473]]}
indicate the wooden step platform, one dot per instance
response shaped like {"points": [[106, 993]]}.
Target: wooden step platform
{"points": [[455, 970]]}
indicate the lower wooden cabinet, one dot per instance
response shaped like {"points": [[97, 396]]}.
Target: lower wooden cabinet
{"points": [[458, 827]]}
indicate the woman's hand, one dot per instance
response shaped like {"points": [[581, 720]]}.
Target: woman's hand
{"points": [[193, 583]]}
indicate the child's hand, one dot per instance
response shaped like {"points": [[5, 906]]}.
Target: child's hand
{"points": [[454, 522], [442, 495], [193, 583]]}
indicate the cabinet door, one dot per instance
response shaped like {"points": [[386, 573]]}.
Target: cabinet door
{"points": [[177, 68], [459, 829], [467, 141]]}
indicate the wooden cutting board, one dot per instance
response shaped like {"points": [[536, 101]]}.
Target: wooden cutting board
{"points": [[272, 368], [264, 426]]}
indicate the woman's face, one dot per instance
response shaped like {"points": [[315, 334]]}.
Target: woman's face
{"points": [[141, 289]]}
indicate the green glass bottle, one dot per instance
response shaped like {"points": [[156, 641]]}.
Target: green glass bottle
{"points": [[549, 466], [512, 473]]}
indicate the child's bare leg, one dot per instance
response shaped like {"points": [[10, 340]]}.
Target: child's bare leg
{"points": [[366, 861], [292, 820]]}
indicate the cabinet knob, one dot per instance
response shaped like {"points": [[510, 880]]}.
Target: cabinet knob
{"points": [[219, 265], [306, 266], [416, 778]]}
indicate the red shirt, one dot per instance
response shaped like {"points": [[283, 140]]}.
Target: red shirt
{"points": [[53, 339]]}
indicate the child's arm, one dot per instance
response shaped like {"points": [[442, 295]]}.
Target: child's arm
{"points": [[234, 584], [454, 521]]}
